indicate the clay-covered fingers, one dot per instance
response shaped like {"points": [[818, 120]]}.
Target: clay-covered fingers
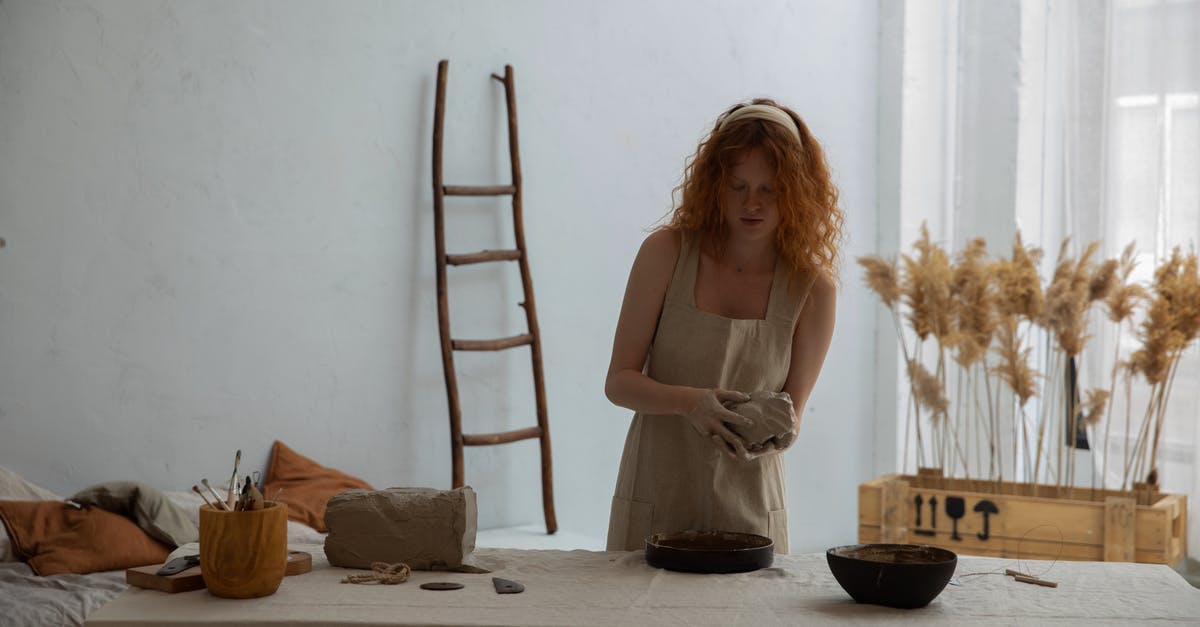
{"points": [[728, 442], [746, 455], [708, 412], [722, 446], [784, 441], [730, 396]]}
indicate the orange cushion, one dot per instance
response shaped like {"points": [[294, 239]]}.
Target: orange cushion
{"points": [[305, 484], [56, 538]]}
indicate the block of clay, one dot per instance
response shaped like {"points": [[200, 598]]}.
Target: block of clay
{"points": [[772, 416], [425, 528]]}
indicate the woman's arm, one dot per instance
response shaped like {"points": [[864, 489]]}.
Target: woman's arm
{"points": [[626, 384], [629, 387], [810, 343]]}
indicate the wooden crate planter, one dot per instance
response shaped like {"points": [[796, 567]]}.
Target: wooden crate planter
{"points": [[1001, 519]]}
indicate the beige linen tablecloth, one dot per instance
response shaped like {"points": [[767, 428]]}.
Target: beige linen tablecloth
{"points": [[618, 588]]}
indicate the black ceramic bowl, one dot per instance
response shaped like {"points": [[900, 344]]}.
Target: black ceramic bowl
{"points": [[709, 551], [896, 575]]}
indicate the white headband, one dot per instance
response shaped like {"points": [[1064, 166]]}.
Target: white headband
{"points": [[763, 112]]}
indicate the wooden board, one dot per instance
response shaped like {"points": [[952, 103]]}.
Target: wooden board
{"points": [[298, 563], [144, 577]]}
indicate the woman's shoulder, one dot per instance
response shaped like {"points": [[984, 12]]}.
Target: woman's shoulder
{"points": [[661, 247], [656, 259], [823, 284], [813, 286], [664, 240]]}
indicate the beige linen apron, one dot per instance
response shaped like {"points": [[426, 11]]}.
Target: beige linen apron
{"points": [[672, 478]]}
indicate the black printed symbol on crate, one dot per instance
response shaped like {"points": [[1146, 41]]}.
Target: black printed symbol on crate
{"points": [[986, 507], [918, 502], [955, 508]]}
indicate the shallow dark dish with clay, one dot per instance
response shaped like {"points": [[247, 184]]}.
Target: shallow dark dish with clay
{"points": [[709, 551], [896, 575]]}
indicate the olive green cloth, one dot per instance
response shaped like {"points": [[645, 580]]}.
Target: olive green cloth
{"points": [[147, 506]]}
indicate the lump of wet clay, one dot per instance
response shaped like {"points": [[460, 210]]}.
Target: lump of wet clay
{"points": [[772, 416], [425, 528]]}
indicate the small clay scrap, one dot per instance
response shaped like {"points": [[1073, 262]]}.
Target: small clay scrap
{"points": [[441, 585], [773, 420], [507, 586], [425, 528]]}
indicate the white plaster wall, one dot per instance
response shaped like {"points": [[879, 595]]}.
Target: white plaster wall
{"points": [[219, 231]]}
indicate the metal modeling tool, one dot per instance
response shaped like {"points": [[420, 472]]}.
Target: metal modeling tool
{"points": [[178, 565]]}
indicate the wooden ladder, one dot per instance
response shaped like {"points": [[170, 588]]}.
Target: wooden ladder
{"points": [[532, 338]]}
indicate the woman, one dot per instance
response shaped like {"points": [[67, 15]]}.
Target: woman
{"points": [[735, 294]]}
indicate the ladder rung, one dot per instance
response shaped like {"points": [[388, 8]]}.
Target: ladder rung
{"points": [[484, 439], [492, 345], [479, 190], [482, 256]]}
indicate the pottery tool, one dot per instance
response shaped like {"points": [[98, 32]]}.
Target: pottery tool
{"points": [[243, 502], [1035, 580], [256, 498], [220, 501], [441, 585], [237, 459], [507, 586], [178, 565], [1023, 578], [207, 502]]}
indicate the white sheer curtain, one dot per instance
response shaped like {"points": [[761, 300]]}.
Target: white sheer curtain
{"points": [[1060, 118], [1123, 79]]}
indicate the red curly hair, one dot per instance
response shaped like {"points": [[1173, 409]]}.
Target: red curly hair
{"points": [[810, 220]]}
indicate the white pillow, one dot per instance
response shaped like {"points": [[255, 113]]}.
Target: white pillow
{"points": [[14, 487], [297, 532]]}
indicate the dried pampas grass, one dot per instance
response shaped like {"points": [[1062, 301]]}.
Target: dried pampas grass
{"points": [[1014, 368], [927, 390], [1171, 324], [926, 289], [1093, 408], [1124, 296], [1067, 299], [883, 278], [1159, 333], [1020, 288], [990, 312], [974, 303], [1103, 280]]}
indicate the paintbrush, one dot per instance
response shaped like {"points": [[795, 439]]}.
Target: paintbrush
{"points": [[220, 501], [237, 459], [207, 502]]}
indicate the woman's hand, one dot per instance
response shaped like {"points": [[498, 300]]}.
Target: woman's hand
{"points": [[708, 417], [772, 447]]}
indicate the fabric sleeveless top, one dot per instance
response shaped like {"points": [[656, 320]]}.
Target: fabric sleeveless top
{"points": [[672, 478]]}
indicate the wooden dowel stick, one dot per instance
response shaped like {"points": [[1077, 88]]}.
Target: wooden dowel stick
{"points": [[1035, 580]]}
